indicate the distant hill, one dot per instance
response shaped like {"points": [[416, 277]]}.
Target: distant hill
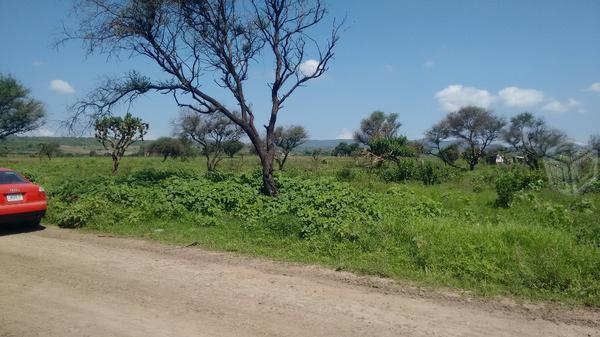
{"points": [[324, 144], [69, 145], [83, 145]]}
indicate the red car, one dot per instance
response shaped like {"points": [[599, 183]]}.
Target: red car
{"points": [[20, 200]]}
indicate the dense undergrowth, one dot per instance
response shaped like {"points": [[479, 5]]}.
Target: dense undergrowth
{"points": [[493, 231]]}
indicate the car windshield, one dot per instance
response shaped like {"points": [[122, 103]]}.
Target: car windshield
{"points": [[10, 177]]}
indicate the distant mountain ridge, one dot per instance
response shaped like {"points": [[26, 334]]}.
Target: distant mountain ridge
{"points": [[325, 144], [81, 145]]}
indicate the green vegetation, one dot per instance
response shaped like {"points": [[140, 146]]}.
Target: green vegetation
{"points": [[442, 231], [117, 133], [19, 112]]}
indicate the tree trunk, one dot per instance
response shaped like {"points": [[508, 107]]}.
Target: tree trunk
{"points": [[269, 187], [266, 160], [282, 161], [208, 166], [472, 165], [115, 164], [266, 153]]}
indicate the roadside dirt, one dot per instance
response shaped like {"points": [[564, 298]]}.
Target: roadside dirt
{"points": [[57, 282]]}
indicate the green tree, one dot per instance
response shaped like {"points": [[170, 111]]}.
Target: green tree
{"points": [[18, 111], [167, 147], [316, 155], [435, 144], [117, 133], [390, 149], [287, 139], [531, 137], [344, 149], [210, 131], [378, 125], [231, 147], [473, 126], [49, 150]]}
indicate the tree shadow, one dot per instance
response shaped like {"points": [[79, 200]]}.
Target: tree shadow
{"points": [[15, 228]]}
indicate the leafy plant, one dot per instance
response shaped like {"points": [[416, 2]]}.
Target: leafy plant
{"points": [[513, 180]]}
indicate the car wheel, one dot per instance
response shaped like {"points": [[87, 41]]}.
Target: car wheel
{"points": [[34, 223]]}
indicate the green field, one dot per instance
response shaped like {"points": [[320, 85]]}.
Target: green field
{"points": [[334, 212]]}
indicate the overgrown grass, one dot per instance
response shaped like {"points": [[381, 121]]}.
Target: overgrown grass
{"points": [[545, 246]]}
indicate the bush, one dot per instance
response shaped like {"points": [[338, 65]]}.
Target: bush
{"points": [[404, 170], [31, 176], [318, 207], [510, 181], [593, 187], [429, 173], [346, 174], [79, 214]]}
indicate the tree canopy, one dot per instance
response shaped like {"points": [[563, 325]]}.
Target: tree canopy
{"points": [[210, 132], [116, 133], [232, 147], [530, 136], [473, 126], [286, 139], [19, 112], [344, 149], [167, 147], [378, 125]]}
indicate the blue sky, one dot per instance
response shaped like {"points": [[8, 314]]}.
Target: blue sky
{"points": [[416, 58]]}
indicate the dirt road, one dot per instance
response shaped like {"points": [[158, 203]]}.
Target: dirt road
{"points": [[63, 283]]}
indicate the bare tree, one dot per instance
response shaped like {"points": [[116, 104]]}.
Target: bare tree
{"points": [[117, 133], [531, 137], [287, 139], [195, 43], [210, 131], [377, 125], [476, 127]]}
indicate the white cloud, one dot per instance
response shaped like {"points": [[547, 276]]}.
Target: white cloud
{"points": [[37, 63], [521, 98], [559, 107], [595, 87], [428, 64], [62, 87], [309, 67], [388, 67], [457, 96], [345, 134]]}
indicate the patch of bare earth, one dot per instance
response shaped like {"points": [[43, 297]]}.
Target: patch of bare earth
{"points": [[64, 283]]}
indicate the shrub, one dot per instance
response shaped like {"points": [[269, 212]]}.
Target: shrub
{"points": [[403, 171], [593, 187], [346, 174], [81, 213], [317, 207], [429, 173], [31, 176], [512, 180]]}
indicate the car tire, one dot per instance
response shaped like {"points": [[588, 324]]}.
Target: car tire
{"points": [[34, 223]]}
